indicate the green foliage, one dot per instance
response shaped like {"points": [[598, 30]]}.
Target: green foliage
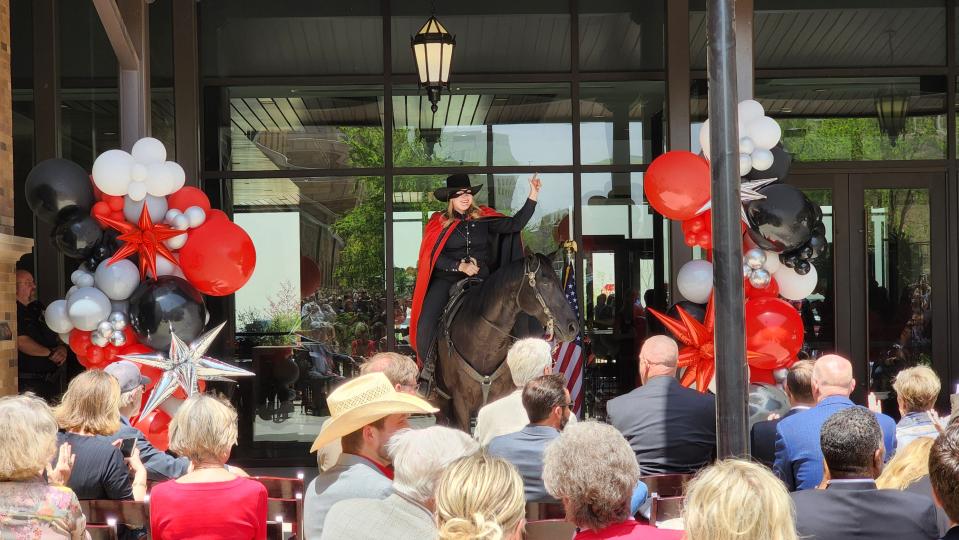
{"points": [[282, 316], [857, 139]]}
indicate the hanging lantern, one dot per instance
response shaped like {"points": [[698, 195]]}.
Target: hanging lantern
{"points": [[892, 110], [433, 51]]}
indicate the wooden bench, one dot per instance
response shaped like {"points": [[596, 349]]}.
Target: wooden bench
{"points": [[550, 529]]}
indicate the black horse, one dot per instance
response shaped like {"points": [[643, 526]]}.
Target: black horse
{"points": [[472, 351]]}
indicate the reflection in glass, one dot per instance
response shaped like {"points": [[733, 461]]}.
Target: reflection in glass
{"points": [[89, 123], [316, 302], [487, 124], [301, 128], [413, 204], [620, 35], [818, 310], [898, 255], [493, 36], [621, 122], [851, 119]]}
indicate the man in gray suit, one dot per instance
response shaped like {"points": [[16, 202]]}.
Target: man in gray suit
{"points": [[546, 401], [419, 457], [365, 413], [671, 428], [160, 466]]}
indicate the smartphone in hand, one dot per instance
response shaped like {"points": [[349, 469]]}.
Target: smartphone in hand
{"points": [[127, 445]]}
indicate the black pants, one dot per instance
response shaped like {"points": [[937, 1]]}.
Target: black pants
{"points": [[437, 295]]}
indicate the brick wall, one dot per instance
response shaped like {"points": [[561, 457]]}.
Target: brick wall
{"points": [[11, 247]]}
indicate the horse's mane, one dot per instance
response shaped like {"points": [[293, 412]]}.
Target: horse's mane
{"points": [[500, 282]]}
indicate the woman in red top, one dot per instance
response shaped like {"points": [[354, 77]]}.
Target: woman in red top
{"points": [[212, 501], [593, 471]]}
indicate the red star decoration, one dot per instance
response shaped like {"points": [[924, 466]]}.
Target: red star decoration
{"points": [[145, 239], [698, 355]]}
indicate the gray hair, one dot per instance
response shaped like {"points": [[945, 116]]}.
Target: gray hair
{"points": [[419, 457], [592, 466], [527, 359]]}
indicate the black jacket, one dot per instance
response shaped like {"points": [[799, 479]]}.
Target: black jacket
{"points": [[857, 510], [671, 428], [762, 439]]}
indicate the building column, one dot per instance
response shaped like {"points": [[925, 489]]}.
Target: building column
{"points": [[11, 247]]}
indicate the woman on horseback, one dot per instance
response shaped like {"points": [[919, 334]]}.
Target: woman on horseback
{"points": [[457, 243]]}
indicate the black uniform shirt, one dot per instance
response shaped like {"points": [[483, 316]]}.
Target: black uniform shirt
{"points": [[471, 238], [30, 323]]}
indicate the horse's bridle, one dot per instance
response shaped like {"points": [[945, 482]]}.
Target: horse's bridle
{"points": [[531, 277]]}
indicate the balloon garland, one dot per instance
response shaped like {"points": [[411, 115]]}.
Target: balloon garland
{"points": [[150, 248], [783, 233]]}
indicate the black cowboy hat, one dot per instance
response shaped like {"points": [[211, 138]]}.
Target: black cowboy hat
{"points": [[456, 183]]}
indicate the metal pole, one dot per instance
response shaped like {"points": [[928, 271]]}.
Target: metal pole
{"points": [[730, 341]]}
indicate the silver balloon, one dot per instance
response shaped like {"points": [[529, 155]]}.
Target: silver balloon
{"points": [[754, 258], [747, 271], [118, 339], [766, 399], [759, 278], [98, 339], [105, 329], [118, 319], [780, 374]]}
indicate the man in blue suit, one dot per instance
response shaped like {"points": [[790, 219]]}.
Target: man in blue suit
{"points": [[798, 454]]}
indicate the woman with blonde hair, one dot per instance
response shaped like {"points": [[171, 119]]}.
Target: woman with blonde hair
{"points": [[908, 471], [88, 412], [480, 497], [29, 506], [735, 499], [204, 430]]}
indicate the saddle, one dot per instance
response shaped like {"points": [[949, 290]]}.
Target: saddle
{"points": [[458, 294]]}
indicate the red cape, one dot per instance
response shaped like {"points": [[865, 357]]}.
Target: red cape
{"points": [[434, 239]]}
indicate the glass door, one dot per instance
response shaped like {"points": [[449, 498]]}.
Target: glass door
{"points": [[900, 257]]}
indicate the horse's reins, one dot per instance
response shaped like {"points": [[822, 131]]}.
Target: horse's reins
{"points": [[486, 381]]}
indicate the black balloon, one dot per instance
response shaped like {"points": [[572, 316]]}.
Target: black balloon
{"points": [[105, 248], [76, 234], [158, 305], [784, 220], [697, 311], [782, 161], [57, 184]]}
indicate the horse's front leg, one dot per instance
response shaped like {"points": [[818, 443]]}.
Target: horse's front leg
{"points": [[461, 412]]}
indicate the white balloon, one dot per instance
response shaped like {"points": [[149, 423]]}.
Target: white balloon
{"points": [[750, 110], [137, 191], [156, 206], [695, 281], [167, 268], [70, 292], [87, 307], [117, 280], [149, 150], [704, 138], [765, 132], [76, 275], [138, 172], [85, 280], [746, 145], [793, 286], [170, 214], [772, 262], [180, 223], [745, 164], [178, 175], [762, 159], [111, 172], [196, 215], [57, 317], [65, 337], [159, 181], [177, 242]]}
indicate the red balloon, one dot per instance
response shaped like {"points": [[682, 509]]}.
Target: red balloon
{"points": [[155, 426], [677, 184], [774, 329], [698, 231], [101, 209], [186, 197], [218, 257], [771, 290], [309, 276], [181, 393], [759, 375], [115, 202]]}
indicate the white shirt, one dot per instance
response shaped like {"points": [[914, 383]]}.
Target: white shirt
{"points": [[504, 416]]}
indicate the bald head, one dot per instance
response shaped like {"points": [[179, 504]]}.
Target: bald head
{"points": [[658, 357], [832, 376]]}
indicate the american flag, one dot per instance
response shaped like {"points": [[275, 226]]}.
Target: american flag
{"points": [[568, 356]]}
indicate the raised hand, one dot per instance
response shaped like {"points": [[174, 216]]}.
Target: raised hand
{"points": [[535, 184], [60, 474]]}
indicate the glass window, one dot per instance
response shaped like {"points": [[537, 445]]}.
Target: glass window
{"points": [[858, 119], [620, 35], [290, 37], [697, 34], [162, 112], [493, 36], [413, 204], [21, 70], [85, 51], [318, 284], [849, 33], [519, 124], [621, 122], [818, 309], [279, 128]]}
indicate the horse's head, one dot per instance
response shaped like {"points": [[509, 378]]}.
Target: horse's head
{"points": [[541, 296]]}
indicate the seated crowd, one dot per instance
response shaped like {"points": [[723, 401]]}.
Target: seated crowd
{"points": [[827, 469]]}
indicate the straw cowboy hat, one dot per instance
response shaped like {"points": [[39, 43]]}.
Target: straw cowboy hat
{"points": [[361, 402]]}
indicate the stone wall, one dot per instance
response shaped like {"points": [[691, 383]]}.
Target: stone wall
{"points": [[11, 247]]}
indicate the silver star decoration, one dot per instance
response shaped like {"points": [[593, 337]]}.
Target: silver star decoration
{"points": [[184, 366], [748, 192]]}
